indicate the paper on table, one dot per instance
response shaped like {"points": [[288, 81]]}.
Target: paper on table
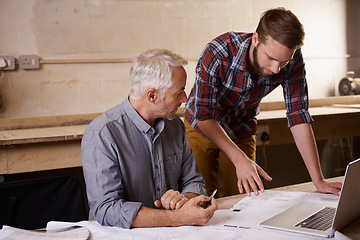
{"points": [[248, 213], [246, 222], [282, 200], [99, 232], [11, 233]]}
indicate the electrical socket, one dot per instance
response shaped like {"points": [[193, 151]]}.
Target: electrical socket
{"points": [[10, 62], [263, 132], [29, 62]]}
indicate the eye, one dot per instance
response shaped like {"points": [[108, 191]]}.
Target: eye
{"points": [[283, 64], [180, 93]]}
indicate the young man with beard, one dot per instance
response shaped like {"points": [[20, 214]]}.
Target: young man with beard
{"points": [[138, 167], [234, 73]]}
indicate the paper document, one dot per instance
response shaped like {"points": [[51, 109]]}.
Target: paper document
{"points": [[282, 200], [246, 215], [70, 233], [99, 232], [240, 222]]}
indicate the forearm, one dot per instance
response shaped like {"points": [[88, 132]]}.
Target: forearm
{"points": [[148, 217], [305, 142], [191, 213], [106, 202], [247, 171]]}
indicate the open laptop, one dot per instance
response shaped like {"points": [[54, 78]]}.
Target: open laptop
{"points": [[300, 218]]}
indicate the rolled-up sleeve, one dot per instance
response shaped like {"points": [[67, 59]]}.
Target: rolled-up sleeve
{"points": [[296, 92], [104, 183]]}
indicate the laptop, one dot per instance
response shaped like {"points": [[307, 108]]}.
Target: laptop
{"points": [[303, 217]]}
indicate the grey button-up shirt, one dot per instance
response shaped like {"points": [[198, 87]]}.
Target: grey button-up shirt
{"points": [[127, 164]]}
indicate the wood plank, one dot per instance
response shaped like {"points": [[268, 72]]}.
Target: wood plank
{"points": [[3, 161], [43, 148], [48, 121], [329, 122], [36, 135], [321, 102], [43, 156], [80, 119]]}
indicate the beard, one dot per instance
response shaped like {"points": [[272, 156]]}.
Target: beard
{"points": [[167, 111], [259, 70]]}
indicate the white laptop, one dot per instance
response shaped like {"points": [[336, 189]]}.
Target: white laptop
{"points": [[300, 218]]}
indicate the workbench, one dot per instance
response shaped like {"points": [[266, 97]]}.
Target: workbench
{"points": [[46, 143]]}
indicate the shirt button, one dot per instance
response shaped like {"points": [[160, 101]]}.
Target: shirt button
{"points": [[158, 189], [157, 166]]}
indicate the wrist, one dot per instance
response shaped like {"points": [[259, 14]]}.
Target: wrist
{"points": [[189, 195], [239, 158], [318, 181], [176, 219]]}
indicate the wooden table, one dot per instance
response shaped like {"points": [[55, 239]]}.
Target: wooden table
{"points": [[46, 143], [42, 143], [352, 231], [37, 149], [335, 121]]}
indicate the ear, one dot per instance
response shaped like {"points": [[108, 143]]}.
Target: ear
{"points": [[255, 39], [151, 95]]}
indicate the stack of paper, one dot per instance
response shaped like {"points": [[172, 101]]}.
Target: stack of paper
{"points": [[68, 233]]}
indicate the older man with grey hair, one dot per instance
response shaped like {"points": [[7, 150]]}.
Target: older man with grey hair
{"points": [[138, 167]]}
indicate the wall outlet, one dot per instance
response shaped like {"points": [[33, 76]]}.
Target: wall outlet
{"points": [[10, 62], [29, 62], [263, 134]]}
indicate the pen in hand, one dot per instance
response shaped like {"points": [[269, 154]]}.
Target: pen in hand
{"points": [[211, 196]]}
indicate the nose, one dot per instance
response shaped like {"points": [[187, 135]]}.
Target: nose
{"points": [[275, 67], [183, 97]]}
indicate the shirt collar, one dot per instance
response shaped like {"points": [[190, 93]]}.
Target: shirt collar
{"points": [[139, 122], [240, 58]]}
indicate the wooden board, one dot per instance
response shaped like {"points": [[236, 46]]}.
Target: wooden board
{"points": [[37, 144]]}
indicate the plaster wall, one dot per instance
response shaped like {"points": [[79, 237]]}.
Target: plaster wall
{"points": [[66, 31]]}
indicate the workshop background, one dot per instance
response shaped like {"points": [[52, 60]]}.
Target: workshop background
{"points": [[70, 57]]}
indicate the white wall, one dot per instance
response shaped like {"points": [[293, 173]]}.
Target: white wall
{"points": [[119, 29]]}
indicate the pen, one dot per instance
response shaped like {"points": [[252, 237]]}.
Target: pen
{"points": [[208, 202]]}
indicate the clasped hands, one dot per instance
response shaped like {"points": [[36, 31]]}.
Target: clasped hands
{"points": [[189, 208], [173, 200]]}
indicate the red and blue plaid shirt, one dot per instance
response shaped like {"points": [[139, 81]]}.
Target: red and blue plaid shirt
{"points": [[224, 91]]}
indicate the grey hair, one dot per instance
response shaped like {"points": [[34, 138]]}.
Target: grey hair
{"points": [[151, 69]]}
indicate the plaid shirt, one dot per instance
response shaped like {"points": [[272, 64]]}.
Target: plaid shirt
{"points": [[224, 91]]}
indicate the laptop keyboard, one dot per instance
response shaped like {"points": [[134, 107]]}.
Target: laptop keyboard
{"points": [[320, 220]]}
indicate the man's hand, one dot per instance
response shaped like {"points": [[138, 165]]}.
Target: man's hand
{"points": [[171, 200], [247, 173], [193, 213], [190, 213], [324, 186]]}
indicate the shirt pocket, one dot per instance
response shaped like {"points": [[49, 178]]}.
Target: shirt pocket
{"points": [[173, 167]]}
